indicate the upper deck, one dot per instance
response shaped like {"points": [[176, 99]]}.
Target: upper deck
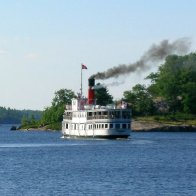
{"points": [[92, 112], [98, 114]]}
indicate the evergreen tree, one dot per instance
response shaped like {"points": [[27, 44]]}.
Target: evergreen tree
{"points": [[103, 97]]}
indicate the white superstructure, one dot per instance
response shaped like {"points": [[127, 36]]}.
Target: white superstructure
{"points": [[81, 120]]}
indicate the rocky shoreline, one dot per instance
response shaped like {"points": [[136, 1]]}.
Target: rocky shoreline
{"points": [[144, 126]]}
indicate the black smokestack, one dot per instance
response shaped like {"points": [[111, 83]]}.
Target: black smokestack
{"points": [[154, 54]]}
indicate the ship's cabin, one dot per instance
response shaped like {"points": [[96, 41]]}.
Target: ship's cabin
{"points": [[99, 114], [79, 110]]}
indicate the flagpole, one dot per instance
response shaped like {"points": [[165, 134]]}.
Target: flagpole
{"points": [[81, 82]]}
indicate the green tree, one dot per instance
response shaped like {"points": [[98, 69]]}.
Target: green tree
{"points": [[32, 120], [63, 96], [54, 114], [24, 120], [175, 81], [140, 100], [103, 97]]}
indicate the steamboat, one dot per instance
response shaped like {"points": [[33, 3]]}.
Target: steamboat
{"points": [[83, 118]]}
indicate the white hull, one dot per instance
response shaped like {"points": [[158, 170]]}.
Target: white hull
{"points": [[109, 133]]}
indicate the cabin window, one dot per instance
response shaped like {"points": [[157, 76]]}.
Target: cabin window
{"points": [[124, 126], [99, 126], [126, 114], [118, 114], [66, 126], [111, 126], [106, 126], [117, 126], [102, 126], [90, 114], [105, 113]]}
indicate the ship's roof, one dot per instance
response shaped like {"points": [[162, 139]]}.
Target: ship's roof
{"points": [[98, 110]]}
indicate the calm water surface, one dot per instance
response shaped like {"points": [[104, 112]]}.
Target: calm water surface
{"points": [[40, 163]]}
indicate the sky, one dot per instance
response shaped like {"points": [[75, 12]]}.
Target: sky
{"points": [[44, 42]]}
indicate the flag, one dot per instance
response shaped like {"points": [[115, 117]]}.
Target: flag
{"points": [[84, 66]]}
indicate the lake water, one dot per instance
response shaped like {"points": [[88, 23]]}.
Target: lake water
{"points": [[41, 163]]}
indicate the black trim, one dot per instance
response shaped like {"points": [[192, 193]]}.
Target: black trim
{"points": [[97, 136]]}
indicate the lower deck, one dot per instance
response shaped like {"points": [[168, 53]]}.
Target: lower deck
{"points": [[101, 130]]}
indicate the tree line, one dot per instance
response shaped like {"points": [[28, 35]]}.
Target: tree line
{"points": [[13, 116]]}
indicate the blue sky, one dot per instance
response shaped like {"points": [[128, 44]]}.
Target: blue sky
{"points": [[44, 42]]}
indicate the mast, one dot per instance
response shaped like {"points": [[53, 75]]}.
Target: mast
{"points": [[82, 67], [81, 82]]}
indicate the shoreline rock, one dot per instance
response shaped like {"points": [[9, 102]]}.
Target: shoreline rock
{"points": [[144, 126]]}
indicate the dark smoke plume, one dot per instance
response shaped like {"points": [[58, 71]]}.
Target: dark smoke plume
{"points": [[156, 53]]}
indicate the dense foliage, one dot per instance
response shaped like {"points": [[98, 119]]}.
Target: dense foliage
{"points": [[172, 89], [53, 115], [103, 97], [12, 116], [140, 100]]}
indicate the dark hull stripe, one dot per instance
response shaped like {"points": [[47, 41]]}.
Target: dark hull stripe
{"points": [[99, 136]]}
